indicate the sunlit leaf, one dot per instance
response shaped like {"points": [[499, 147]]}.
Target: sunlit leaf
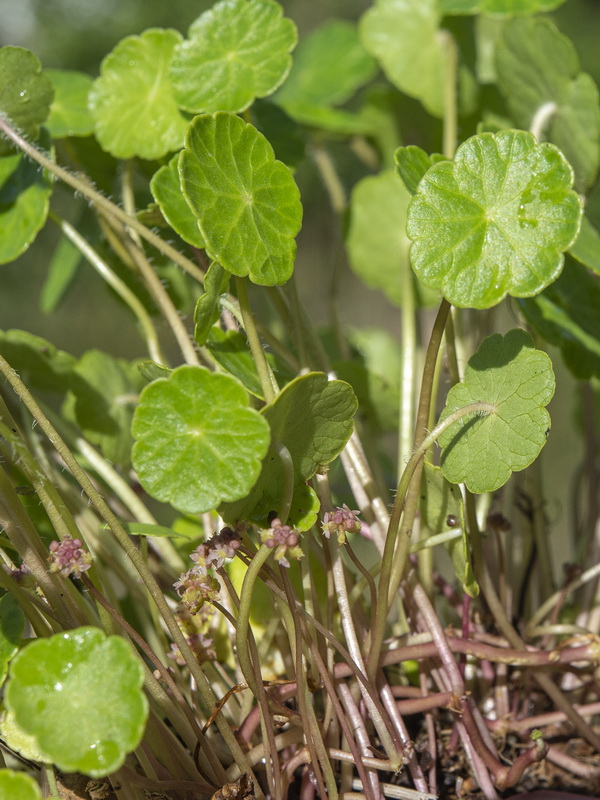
{"points": [[24, 198], [247, 203], [132, 101], [25, 91], [166, 190], [404, 37], [567, 314], [236, 51], [538, 72], [69, 113], [53, 680], [494, 221], [18, 786], [483, 451], [198, 442]]}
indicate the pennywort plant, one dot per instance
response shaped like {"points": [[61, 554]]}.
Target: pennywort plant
{"points": [[264, 559]]}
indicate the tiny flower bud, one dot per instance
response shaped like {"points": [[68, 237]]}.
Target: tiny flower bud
{"points": [[341, 522], [69, 558]]}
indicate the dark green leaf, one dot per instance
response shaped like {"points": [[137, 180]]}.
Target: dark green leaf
{"points": [[12, 625], [61, 272], [280, 130], [412, 163], [37, 361], [587, 246], [25, 92], [208, 307], [230, 350]]}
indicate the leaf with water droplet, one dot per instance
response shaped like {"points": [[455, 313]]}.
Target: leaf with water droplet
{"points": [[53, 679], [247, 203], [25, 92], [508, 373], [24, 200], [69, 113], [494, 221], [538, 73], [198, 442], [132, 102], [404, 37], [236, 51], [166, 190]]}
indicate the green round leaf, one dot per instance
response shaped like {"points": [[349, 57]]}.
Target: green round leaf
{"points": [[12, 625], [25, 92], [238, 50], [24, 198], [132, 101], [21, 742], [37, 361], [404, 37], [166, 189], [198, 443], [247, 203], [69, 113], [510, 374], [80, 695], [495, 221], [18, 786], [538, 68], [329, 66]]}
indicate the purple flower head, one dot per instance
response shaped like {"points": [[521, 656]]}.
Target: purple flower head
{"points": [[341, 522], [284, 540], [202, 646], [216, 550], [195, 588], [69, 558]]}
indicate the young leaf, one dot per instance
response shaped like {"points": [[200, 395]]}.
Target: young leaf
{"points": [[166, 190], [18, 786], [236, 51], [404, 37], [198, 442], [37, 361], [587, 246], [151, 371], [510, 374], [329, 66], [376, 238], [494, 221], [208, 308], [86, 676], [69, 113], [12, 625], [412, 163], [24, 199], [499, 8], [25, 92], [538, 69], [566, 315], [442, 509], [132, 102], [247, 203]]}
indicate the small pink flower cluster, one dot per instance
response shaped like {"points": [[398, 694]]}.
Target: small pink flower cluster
{"points": [[201, 645], [197, 586], [69, 558], [341, 521], [285, 540]]}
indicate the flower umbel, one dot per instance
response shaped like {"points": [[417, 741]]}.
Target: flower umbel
{"points": [[341, 521], [195, 588], [285, 541], [69, 558]]}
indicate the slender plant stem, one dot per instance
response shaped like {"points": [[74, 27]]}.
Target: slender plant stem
{"points": [[265, 373], [450, 90], [99, 201], [287, 488]]}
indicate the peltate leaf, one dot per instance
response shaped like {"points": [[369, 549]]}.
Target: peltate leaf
{"points": [[538, 69], [25, 92], [37, 361], [21, 742], [499, 8], [132, 101], [412, 163], [12, 625], [18, 786], [24, 198], [587, 246], [329, 66], [69, 113], [404, 37], [51, 680], [198, 442], [511, 375], [442, 509], [166, 190], [494, 221], [103, 393], [208, 307], [566, 315], [247, 203], [236, 51]]}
